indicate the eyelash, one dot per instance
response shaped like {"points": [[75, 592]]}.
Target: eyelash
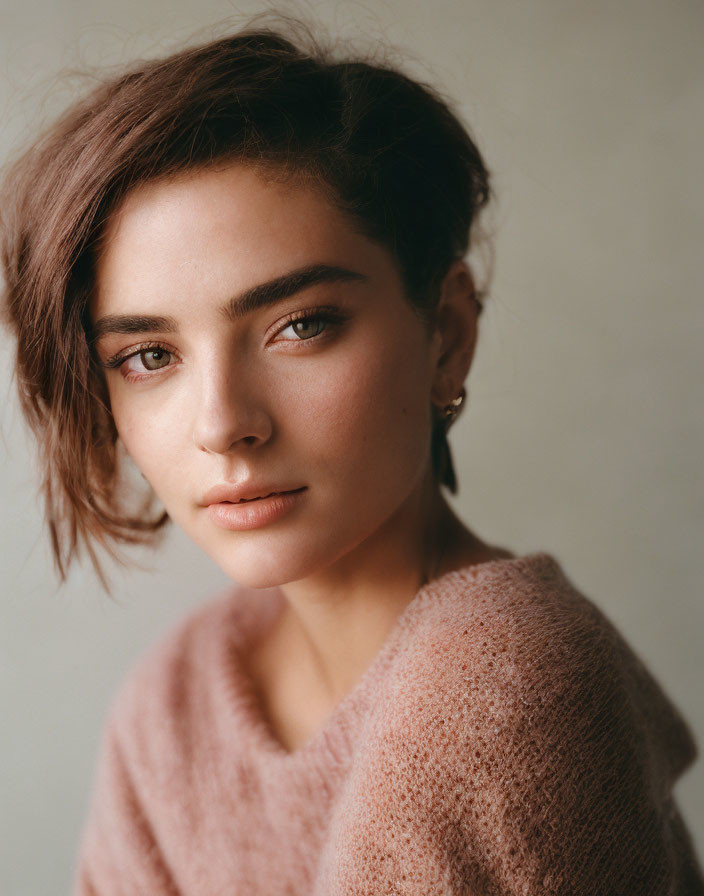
{"points": [[331, 316]]}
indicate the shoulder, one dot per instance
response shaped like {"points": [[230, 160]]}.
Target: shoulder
{"points": [[512, 650], [163, 663], [532, 737], [500, 626], [179, 684], [513, 625]]}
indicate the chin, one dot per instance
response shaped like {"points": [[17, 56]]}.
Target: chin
{"points": [[259, 567]]}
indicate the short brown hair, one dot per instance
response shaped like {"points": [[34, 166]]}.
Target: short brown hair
{"points": [[388, 150]]}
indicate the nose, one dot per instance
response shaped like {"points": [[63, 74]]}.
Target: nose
{"points": [[228, 411]]}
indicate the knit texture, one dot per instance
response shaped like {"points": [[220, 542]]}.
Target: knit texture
{"points": [[505, 740]]}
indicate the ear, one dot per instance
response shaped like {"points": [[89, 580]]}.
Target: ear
{"points": [[455, 334]]}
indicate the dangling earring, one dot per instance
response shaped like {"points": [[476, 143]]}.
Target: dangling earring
{"points": [[451, 410], [440, 449]]}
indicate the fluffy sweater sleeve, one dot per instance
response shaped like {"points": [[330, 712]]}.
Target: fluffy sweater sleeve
{"points": [[506, 741]]}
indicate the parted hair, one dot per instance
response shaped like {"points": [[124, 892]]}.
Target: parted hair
{"points": [[388, 151]]}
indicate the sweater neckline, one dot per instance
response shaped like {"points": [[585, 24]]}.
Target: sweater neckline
{"points": [[250, 619]]}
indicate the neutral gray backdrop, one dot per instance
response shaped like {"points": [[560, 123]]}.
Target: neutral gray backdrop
{"points": [[584, 433]]}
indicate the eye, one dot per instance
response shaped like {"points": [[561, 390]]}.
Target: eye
{"points": [[154, 358], [142, 362], [306, 327], [146, 359], [311, 324]]}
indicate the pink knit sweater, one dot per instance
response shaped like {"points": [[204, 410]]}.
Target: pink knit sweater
{"points": [[505, 740]]}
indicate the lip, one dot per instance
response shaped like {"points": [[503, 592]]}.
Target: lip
{"points": [[253, 512], [228, 493]]}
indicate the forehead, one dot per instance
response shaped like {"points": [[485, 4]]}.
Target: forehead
{"points": [[225, 229], [237, 199]]}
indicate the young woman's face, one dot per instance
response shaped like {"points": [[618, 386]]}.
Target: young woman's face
{"points": [[256, 343]]}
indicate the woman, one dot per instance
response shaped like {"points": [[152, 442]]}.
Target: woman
{"points": [[243, 267]]}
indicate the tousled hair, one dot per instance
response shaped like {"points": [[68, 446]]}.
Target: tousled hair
{"points": [[387, 150]]}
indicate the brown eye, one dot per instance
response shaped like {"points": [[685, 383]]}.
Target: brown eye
{"points": [[308, 327], [154, 358]]}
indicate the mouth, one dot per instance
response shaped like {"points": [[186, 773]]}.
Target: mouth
{"points": [[229, 495], [226, 509], [262, 497]]}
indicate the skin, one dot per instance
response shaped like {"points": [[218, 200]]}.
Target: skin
{"points": [[346, 413]]}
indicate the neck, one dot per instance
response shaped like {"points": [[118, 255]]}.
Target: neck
{"points": [[336, 620]]}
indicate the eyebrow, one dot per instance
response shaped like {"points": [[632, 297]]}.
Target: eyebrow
{"points": [[267, 293]]}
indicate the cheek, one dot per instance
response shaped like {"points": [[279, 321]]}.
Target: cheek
{"points": [[149, 432], [369, 414]]}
